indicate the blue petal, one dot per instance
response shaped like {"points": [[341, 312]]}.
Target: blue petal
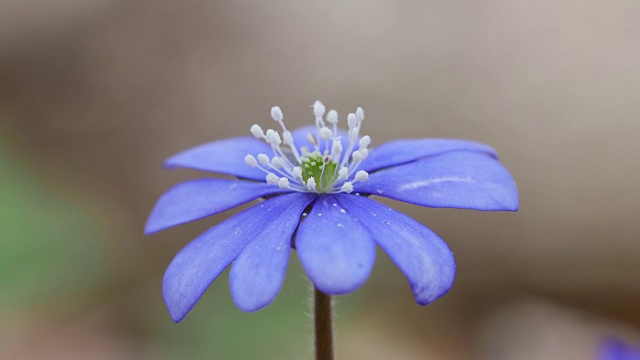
{"points": [[301, 139], [203, 259], [459, 179], [196, 199], [407, 150], [258, 273], [616, 349], [612, 349], [223, 156], [335, 250], [420, 254]]}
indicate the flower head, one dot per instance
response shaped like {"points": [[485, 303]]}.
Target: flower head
{"points": [[316, 182]]}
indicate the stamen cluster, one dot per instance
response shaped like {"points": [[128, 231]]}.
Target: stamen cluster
{"points": [[302, 169]]}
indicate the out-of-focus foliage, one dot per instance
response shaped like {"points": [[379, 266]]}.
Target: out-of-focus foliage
{"points": [[49, 243]]}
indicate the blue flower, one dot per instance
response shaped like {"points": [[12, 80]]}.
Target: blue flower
{"points": [[616, 349], [315, 188]]}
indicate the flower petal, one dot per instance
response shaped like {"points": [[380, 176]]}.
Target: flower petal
{"points": [[196, 199], [407, 150], [258, 273], [420, 254], [222, 156], [612, 349], [459, 179], [203, 259], [335, 250]]}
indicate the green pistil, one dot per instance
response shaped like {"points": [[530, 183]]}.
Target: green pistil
{"points": [[312, 167]]}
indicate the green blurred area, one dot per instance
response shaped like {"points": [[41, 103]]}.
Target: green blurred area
{"points": [[50, 247]]}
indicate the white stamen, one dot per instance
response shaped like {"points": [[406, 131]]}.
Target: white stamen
{"points": [[332, 117], [250, 160], [364, 142], [264, 159], [272, 179], [273, 138], [364, 153], [353, 135], [277, 162], [283, 183], [318, 109], [359, 114], [352, 121], [356, 156], [325, 133], [347, 187], [297, 173], [336, 150], [343, 173], [311, 184], [257, 131], [361, 176], [276, 113]]}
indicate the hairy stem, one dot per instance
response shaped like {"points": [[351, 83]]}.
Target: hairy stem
{"points": [[323, 325]]}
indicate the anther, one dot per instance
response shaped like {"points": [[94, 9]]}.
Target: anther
{"points": [[353, 134], [332, 117], [364, 142], [264, 159], [311, 184], [277, 162], [297, 173], [272, 179], [352, 120], [283, 183], [257, 131], [362, 176], [347, 187], [250, 160], [325, 133], [343, 173], [318, 109], [336, 150], [276, 114], [273, 138], [356, 156], [359, 114]]}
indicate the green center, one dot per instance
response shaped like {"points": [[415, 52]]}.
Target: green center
{"points": [[321, 168]]}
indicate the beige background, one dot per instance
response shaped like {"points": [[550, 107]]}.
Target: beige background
{"points": [[97, 93]]}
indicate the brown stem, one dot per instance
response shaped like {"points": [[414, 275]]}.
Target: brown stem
{"points": [[323, 325]]}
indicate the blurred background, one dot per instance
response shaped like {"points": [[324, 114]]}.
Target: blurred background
{"points": [[94, 94]]}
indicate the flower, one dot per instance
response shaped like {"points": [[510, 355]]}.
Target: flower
{"points": [[316, 186], [616, 349]]}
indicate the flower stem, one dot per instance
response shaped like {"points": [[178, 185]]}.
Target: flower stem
{"points": [[323, 325]]}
